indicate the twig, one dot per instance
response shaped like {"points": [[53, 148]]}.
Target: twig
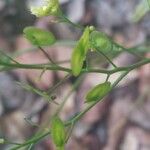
{"points": [[109, 60], [53, 88], [46, 54], [59, 68]]}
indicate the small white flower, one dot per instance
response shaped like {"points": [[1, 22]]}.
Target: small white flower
{"points": [[50, 7]]}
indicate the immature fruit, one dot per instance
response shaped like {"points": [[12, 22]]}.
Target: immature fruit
{"points": [[79, 53], [2, 141], [98, 92], [100, 41], [58, 132], [39, 37]]}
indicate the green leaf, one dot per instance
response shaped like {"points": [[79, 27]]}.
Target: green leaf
{"points": [[58, 132], [39, 37], [141, 10], [100, 41], [37, 91], [5, 58], [98, 92], [79, 52]]}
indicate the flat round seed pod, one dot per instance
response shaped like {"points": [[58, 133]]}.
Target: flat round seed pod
{"points": [[79, 53], [58, 132], [39, 37], [98, 92], [100, 42]]}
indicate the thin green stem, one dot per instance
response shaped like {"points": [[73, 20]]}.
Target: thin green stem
{"points": [[28, 121], [52, 89], [130, 50], [30, 147], [34, 140], [121, 77], [109, 60], [46, 54], [9, 142], [42, 73], [107, 78], [65, 19], [9, 57], [75, 85], [118, 69], [59, 68], [34, 66], [69, 132]]}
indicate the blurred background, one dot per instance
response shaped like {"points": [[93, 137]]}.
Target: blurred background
{"points": [[121, 121]]}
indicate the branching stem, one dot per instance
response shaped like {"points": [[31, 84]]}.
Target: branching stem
{"points": [[59, 68]]}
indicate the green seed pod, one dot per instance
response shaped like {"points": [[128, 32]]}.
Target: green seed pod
{"points": [[100, 41], [141, 10], [2, 141], [58, 132], [39, 37], [98, 92], [79, 53]]}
